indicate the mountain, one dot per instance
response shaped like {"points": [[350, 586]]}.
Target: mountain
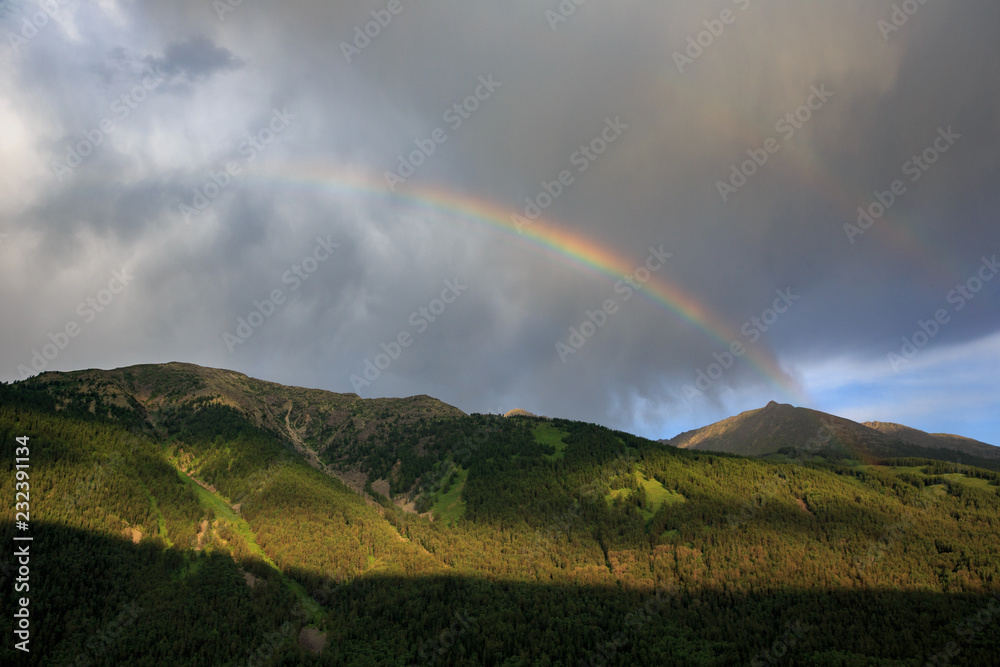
{"points": [[187, 516], [936, 440], [350, 435], [787, 430]]}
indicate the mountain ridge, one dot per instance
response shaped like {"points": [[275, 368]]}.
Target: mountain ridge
{"points": [[959, 443], [542, 541], [323, 426], [337, 433], [782, 428]]}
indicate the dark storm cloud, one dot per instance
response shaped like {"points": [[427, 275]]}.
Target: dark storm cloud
{"points": [[196, 58], [357, 108]]}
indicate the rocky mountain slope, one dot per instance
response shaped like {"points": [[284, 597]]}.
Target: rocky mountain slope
{"points": [[784, 429]]}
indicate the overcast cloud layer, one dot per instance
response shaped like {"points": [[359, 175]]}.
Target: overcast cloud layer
{"points": [[119, 121]]}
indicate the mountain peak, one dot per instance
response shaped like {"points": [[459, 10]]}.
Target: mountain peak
{"points": [[780, 427]]}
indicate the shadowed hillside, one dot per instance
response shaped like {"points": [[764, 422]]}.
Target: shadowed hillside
{"points": [[192, 534], [936, 440], [349, 434]]}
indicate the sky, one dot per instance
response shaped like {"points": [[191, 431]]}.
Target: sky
{"points": [[650, 216]]}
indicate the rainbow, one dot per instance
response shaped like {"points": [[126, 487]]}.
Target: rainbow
{"points": [[554, 238]]}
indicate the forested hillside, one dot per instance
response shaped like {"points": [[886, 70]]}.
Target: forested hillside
{"points": [[343, 431], [178, 529]]}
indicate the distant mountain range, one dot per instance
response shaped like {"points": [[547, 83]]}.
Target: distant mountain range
{"points": [[784, 429], [172, 514], [359, 440]]}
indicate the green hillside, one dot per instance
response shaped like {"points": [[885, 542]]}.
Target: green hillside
{"points": [[174, 525], [343, 431]]}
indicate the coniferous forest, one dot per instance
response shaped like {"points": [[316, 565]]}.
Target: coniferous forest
{"points": [[177, 520]]}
